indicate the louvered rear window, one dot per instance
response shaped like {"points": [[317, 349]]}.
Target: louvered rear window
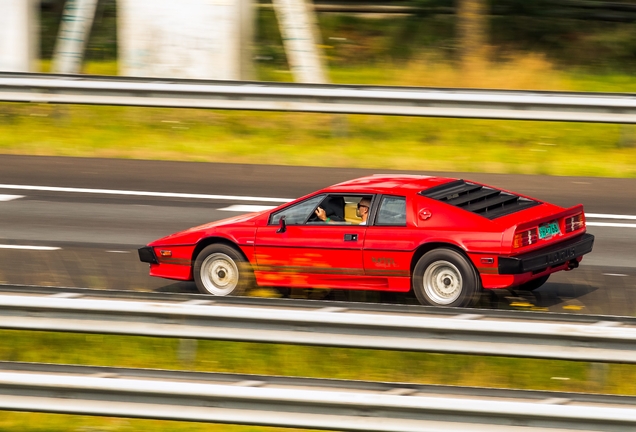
{"points": [[483, 200]]}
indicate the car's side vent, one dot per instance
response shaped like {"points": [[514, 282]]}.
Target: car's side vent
{"points": [[485, 201]]}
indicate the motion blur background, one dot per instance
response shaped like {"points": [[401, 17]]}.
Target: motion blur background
{"points": [[566, 45], [597, 37], [560, 45]]}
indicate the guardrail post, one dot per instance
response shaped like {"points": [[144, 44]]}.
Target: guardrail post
{"points": [[627, 137], [597, 376], [188, 351], [339, 126]]}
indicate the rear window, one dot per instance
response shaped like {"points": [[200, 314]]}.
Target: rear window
{"points": [[485, 201]]}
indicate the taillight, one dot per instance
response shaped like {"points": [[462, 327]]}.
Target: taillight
{"points": [[525, 238], [574, 223]]}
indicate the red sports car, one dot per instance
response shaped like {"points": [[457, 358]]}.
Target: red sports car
{"points": [[445, 239]]}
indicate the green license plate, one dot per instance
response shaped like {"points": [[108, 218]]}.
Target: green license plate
{"points": [[548, 230]]}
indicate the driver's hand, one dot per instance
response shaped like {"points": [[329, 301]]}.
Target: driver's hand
{"points": [[321, 214]]}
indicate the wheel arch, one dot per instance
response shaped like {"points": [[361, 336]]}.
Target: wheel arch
{"points": [[427, 247], [207, 241]]}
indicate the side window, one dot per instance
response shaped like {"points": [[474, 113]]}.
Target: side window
{"points": [[357, 209], [298, 213], [334, 207], [392, 211]]}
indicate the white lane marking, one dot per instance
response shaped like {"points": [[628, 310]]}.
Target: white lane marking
{"points": [[41, 248], [10, 197], [236, 198], [142, 193], [116, 251], [609, 216], [615, 274], [246, 208], [610, 224]]}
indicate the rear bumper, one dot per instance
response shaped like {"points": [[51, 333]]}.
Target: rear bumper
{"points": [[552, 256], [147, 254]]}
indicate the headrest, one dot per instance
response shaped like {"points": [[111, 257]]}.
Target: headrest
{"points": [[334, 207]]}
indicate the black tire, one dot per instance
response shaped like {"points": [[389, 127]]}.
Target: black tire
{"points": [[284, 292], [445, 277], [221, 270], [533, 284]]}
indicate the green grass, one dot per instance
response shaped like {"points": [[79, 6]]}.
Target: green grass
{"points": [[34, 422], [378, 142], [271, 359], [423, 144]]}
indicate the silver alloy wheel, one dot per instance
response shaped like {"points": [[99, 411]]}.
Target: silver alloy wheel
{"points": [[219, 274], [442, 282]]}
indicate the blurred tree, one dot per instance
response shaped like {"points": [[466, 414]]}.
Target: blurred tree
{"points": [[598, 34], [471, 30], [102, 44]]}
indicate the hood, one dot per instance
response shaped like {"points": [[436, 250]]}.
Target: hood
{"points": [[227, 221], [194, 234]]}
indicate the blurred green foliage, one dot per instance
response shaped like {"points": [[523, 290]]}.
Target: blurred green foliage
{"points": [[306, 361], [311, 361], [380, 142], [566, 32]]}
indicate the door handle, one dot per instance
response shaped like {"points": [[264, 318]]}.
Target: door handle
{"points": [[351, 237]]}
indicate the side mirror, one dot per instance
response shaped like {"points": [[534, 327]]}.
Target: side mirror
{"points": [[282, 225]]}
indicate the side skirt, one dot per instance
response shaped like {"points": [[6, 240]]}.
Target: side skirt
{"points": [[332, 281]]}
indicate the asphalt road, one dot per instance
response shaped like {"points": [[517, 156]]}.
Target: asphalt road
{"points": [[96, 233]]}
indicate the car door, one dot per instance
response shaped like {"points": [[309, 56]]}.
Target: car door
{"points": [[308, 252], [389, 244]]}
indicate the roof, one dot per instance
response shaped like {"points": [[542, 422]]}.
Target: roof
{"points": [[389, 184]]}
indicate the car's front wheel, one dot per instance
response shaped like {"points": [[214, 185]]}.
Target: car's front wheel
{"points": [[221, 270], [445, 277]]}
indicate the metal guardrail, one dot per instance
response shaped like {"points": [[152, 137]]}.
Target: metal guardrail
{"points": [[474, 332], [306, 304], [337, 99], [303, 402]]}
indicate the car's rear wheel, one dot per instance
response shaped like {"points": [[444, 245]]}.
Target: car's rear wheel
{"points": [[445, 277], [533, 284], [221, 270]]}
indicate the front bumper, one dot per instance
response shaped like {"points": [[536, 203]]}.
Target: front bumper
{"points": [[147, 254], [552, 256]]}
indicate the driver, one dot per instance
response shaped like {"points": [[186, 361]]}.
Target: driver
{"points": [[331, 210]]}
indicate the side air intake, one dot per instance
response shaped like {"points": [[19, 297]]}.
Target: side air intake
{"points": [[483, 200]]}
